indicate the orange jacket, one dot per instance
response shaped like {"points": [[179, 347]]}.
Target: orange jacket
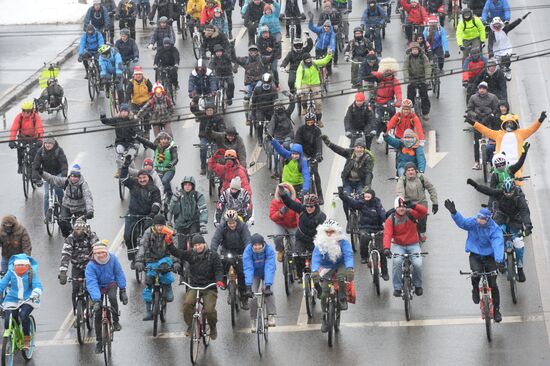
{"points": [[27, 126]]}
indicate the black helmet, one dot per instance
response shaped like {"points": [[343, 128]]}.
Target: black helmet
{"points": [[167, 41], [358, 29], [253, 47], [306, 56], [466, 12]]}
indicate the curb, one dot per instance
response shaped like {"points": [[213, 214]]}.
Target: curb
{"points": [[23, 88]]}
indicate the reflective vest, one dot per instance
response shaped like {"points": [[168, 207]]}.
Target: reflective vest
{"points": [[141, 93]]}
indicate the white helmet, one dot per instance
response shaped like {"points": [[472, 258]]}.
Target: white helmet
{"points": [[499, 159], [331, 224]]}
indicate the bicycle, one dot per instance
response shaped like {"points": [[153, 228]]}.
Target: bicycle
{"points": [[289, 264], [435, 80], [200, 330], [52, 213], [137, 231], [292, 22], [257, 124], [333, 310], [385, 119], [112, 95], [234, 295], [45, 105], [183, 20], [83, 310], [159, 297], [121, 157], [126, 72], [107, 332], [407, 291], [13, 339], [26, 174], [417, 102], [197, 42], [143, 11], [353, 222], [262, 327], [486, 298], [310, 293], [93, 78], [220, 98], [456, 8], [341, 34], [165, 79], [214, 182], [374, 258]]}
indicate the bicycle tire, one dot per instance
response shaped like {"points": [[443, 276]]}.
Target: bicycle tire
{"points": [[375, 271], [65, 108], [418, 106], [196, 48], [260, 132], [89, 314], [139, 276], [337, 317], [106, 339], [156, 310], [80, 322], [50, 221], [91, 86], [259, 331], [25, 183], [384, 32], [183, 27], [483, 156], [195, 340], [233, 302], [487, 316], [121, 190], [205, 331], [511, 276], [407, 289], [330, 321], [7, 351], [286, 273], [211, 186], [307, 294]]}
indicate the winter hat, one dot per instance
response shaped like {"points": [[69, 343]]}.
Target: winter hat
{"points": [[21, 262], [49, 139], [484, 213], [399, 202], [360, 142], [492, 62], [147, 162], [79, 223], [370, 191], [198, 239], [483, 84], [414, 45], [409, 165], [159, 220], [257, 238], [235, 183], [359, 97], [138, 70], [101, 246], [75, 170], [142, 172]]}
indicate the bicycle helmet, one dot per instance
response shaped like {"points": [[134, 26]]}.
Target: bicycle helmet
{"points": [[209, 27], [311, 199], [310, 116], [217, 10], [508, 186], [331, 224], [499, 161], [298, 44], [253, 48], [27, 105], [200, 66], [158, 88], [432, 20], [406, 104], [163, 19], [218, 47], [467, 13], [106, 48], [231, 216], [125, 32], [230, 154], [79, 223]]}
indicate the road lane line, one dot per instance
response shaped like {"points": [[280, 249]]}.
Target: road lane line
{"points": [[434, 157]]}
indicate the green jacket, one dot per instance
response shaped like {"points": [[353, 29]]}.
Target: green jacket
{"points": [[311, 75], [473, 29], [291, 173], [189, 208], [417, 67]]}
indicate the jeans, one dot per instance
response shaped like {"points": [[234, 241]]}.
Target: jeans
{"points": [[269, 301], [490, 149], [397, 265], [275, 71], [203, 143], [23, 313], [166, 177], [58, 191], [364, 241], [111, 294], [480, 263]]}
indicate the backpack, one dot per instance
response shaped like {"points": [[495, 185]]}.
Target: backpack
{"points": [[421, 177], [21, 122]]}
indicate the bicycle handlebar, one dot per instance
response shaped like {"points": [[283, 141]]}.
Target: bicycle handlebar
{"points": [[421, 254], [478, 274], [132, 215], [7, 308], [197, 288]]}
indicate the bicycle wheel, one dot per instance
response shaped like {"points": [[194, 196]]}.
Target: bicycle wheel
{"points": [[106, 338], [511, 276], [65, 108], [233, 302], [113, 103], [89, 314], [375, 271], [163, 305], [384, 32], [487, 316], [418, 106], [139, 276], [50, 220], [483, 154], [205, 331], [340, 40], [91, 86], [195, 339], [407, 297], [26, 183], [437, 87], [121, 190], [144, 19], [337, 317], [330, 321], [286, 273], [196, 47], [307, 295], [80, 322], [7, 350], [183, 27], [156, 310], [259, 330], [260, 132]]}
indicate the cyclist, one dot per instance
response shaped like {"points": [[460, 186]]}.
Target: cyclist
{"points": [[485, 244], [286, 220], [262, 100], [494, 9], [388, 92], [158, 109], [202, 82], [223, 69], [163, 30], [400, 233], [50, 158], [472, 67], [325, 45], [207, 12], [281, 128], [418, 71], [76, 251], [500, 45], [219, 20], [293, 9], [270, 18], [126, 14], [237, 199], [417, 17], [406, 119], [229, 139], [168, 56], [212, 37], [502, 170], [110, 69], [309, 136], [296, 169], [424, 45], [358, 122], [138, 91], [252, 12], [205, 268], [480, 106], [77, 201], [269, 46], [495, 79], [21, 283], [371, 220], [436, 8], [254, 67], [358, 170], [27, 129], [374, 17], [163, 8], [165, 157], [408, 150], [308, 79], [436, 36], [98, 16], [194, 13], [231, 237], [90, 42], [230, 169], [332, 257], [208, 120], [228, 6], [128, 50], [104, 275], [148, 164], [359, 47], [154, 258], [294, 58], [126, 132], [412, 187], [329, 13], [145, 199], [14, 239], [259, 265], [370, 64], [470, 32]]}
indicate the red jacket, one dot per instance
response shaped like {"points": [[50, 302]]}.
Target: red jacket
{"points": [[289, 220], [404, 232], [415, 15], [388, 89], [402, 122], [25, 127], [207, 14], [229, 171], [474, 68]]}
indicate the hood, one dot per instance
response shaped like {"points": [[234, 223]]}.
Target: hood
{"points": [[297, 148], [12, 220], [289, 188], [188, 179], [388, 63], [163, 134], [34, 263]]}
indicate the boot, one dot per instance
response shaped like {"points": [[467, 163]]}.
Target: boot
{"points": [[99, 347], [213, 333], [324, 325], [521, 275], [497, 316], [169, 293], [475, 296], [26, 343], [148, 312]]}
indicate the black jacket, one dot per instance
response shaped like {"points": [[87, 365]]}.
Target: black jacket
{"points": [[215, 123], [128, 50], [205, 268], [51, 161], [281, 125], [294, 58], [233, 241], [253, 13], [512, 211], [265, 43], [372, 216], [124, 135], [363, 166], [144, 200], [221, 66], [496, 82], [217, 37], [358, 48], [310, 139], [359, 119], [167, 57], [307, 224]]}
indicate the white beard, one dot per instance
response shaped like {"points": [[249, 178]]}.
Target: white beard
{"points": [[329, 245]]}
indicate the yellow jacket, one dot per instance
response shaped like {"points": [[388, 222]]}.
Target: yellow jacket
{"points": [[195, 13]]}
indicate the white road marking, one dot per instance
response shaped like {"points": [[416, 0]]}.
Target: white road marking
{"points": [[240, 35], [433, 156]]}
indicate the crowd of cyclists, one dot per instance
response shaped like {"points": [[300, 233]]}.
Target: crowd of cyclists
{"points": [[167, 221]]}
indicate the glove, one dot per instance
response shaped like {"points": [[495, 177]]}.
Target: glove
{"points": [[469, 120], [471, 182], [221, 285], [307, 34], [542, 116], [267, 291], [373, 133], [350, 274], [319, 158], [435, 208], [248, 292], [310, 16], [450, 205], [326, 139], [176, 267], [97, 306], [315, 277], [387, 253], [140, 266], [216, 224], [526, 146], [282, 190], [281, 17], [462, 48], [203, 230], [340, 191], [150, 46], [89, 215], [80, 58], [303, 16], [35, 295], [528, 230], [123, 296], [348, 134], [447, 54], [12, 144], [409, 204], [283, 210], [62, 277]]}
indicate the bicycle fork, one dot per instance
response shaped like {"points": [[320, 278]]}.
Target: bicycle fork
{"points": [[485, 290]]}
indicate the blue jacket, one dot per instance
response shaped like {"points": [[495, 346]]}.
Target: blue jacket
{"points": [[418, 158], [91, 43], [496, 8], [16, 294], [319, 260], [272, 21], [439, 40], [288, 155], [110, 66], [482, 240], [324, 39], [128, 50], [369, 18], [103, 276], [89, 18], [261, 265]]}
